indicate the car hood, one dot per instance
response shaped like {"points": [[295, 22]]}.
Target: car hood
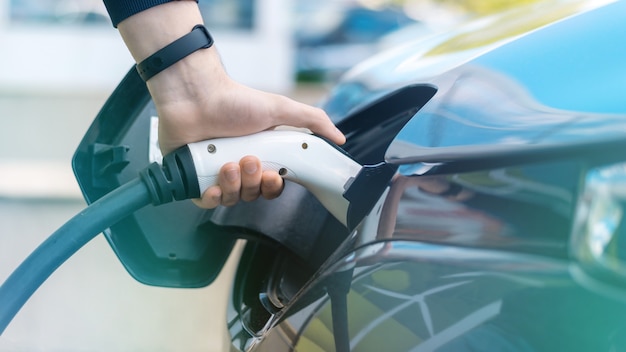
{"points": [[513, 127], [543, 75]]}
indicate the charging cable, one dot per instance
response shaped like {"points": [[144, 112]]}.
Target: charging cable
{"points": [[321, 167], [157, 184]]}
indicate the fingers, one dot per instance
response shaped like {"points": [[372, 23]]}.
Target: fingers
{"points": [[230, 182], [250, 178], [302, 115], [323, 126], [271, 184], [226, 192], [211, 198], [245, 181]]}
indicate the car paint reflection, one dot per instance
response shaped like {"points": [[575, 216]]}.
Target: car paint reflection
{"points": [[427, 297]]}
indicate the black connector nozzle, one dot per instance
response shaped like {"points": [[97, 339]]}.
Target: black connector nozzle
{"points": [[176, 179]]}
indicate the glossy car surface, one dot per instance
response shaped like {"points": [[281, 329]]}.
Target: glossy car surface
{"points": [[502, 228], [493, 234]]}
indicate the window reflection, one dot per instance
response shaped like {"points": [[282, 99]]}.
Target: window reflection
{"points": [[223, 14], [83, 12], [228, 14]]}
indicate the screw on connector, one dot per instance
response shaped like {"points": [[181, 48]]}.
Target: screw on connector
{"points": [[211, 148]]}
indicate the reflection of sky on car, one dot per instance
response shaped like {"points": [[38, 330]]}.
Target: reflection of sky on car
{"points": [[539, 74], [485, 107], [557, 67]]}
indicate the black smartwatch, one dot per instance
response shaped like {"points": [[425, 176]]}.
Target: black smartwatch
{"points": [[198, 38]]}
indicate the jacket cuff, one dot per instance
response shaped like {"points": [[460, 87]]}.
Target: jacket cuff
{"points": [[120, 10]]}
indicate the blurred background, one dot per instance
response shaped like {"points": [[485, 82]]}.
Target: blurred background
{"points": [[59, 61]]}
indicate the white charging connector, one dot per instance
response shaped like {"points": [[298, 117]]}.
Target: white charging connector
{"points": [[306, 159]]}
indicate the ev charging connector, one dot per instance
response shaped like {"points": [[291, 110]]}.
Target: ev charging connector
{"points": [[328, 172]]}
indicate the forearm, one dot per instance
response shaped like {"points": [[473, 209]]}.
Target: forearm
{"points": [[150, 30], [196, 100]]}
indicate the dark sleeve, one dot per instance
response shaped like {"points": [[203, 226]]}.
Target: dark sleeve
{"points": [[120, 10]]}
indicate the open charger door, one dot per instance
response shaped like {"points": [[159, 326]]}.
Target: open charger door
{"points": [[179, 244], [159, 246]]}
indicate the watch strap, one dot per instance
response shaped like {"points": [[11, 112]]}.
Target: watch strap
{"points": [[198, 38]]}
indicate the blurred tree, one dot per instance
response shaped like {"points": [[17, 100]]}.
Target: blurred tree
{"points": [[487, 7], [473, 7]]}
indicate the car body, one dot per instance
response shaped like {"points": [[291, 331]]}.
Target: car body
{"points": [[483, 240], [502, 228]]}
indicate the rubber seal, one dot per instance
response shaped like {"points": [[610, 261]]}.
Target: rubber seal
{"points": [[198, 38]]}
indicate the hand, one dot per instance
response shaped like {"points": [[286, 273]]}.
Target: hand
{"points": [[229, 109], [197, 100]]}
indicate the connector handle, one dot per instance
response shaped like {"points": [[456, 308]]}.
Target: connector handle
{"points": [[322, 168]]}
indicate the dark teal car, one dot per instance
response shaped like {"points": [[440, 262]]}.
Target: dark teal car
{"points": [[501, 228]]}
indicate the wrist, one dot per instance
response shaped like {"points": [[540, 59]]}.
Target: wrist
{"points": [[195, 78], [199, 38], [150, 30]]}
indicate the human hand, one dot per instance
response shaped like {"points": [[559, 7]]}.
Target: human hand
{"points": [[196, 100], [233, 110]]}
